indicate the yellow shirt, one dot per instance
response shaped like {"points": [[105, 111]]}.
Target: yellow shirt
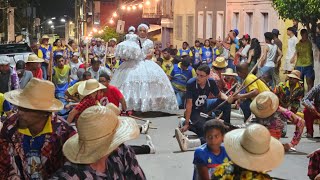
{"points": [[167, 65], [259, 85], [47, 129], [1, 102]]}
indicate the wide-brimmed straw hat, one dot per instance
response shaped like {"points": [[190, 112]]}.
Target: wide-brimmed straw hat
{"points": [[45, 37], [295, 74], [33, 58], [220, 62], [37, 95], [229, 72], [265, 104], [89, 86], [100, 132], [253, 148]]}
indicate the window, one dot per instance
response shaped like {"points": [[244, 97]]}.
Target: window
{"points": [[248, 23], [265, 24], [220, 25], [209, 21], [178, 27], [190, 26], [200, 24], [235, 20]]}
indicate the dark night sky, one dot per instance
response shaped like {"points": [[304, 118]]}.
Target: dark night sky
{"points": [[56, 8]]}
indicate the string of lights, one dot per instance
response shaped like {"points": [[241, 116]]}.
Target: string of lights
{"points": [[128, 7], [125, 7]]}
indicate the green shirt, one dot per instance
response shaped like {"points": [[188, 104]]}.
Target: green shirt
{"points": [[304, 54]]}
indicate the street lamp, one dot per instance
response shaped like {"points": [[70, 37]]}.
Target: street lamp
{"points": [[63, 20], [50, 22], [52, 26], [53, 18]]}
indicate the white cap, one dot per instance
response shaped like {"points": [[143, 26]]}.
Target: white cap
{"points": [[4, 60]]}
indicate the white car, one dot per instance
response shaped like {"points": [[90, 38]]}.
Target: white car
{"points": [[15, 52]]}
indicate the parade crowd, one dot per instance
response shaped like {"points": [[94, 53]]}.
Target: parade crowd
{"points": [[68, 110]]}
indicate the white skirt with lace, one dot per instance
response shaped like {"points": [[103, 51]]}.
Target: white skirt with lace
{"points": [[145, 87]]}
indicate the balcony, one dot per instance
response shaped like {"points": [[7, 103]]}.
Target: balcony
{"points": [[160, 9]]}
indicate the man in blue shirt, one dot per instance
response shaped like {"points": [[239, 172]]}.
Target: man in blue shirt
{"points": [[179, 76], [202, 96]]}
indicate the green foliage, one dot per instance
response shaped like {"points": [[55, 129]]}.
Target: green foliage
{"points": [[305, 11], [108, 33]]}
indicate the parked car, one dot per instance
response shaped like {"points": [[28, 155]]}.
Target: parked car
{"points": [[16, 52]]}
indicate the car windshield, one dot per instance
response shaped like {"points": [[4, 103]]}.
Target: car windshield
{"points": [[14, 48]]}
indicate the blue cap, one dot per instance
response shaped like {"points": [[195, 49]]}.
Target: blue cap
{"points": [[236, 31]]}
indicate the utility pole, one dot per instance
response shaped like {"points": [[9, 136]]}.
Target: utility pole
{"points": [[84, 6]]}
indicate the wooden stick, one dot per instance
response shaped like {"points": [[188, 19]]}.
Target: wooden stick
{"points": [[237, 92], [137, 118], [235, 85]]}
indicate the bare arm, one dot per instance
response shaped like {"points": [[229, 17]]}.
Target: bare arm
{"points": [[251, 54], [72, 115], [123, 104], [264, 56], [250, 94], [203, 172], [187, 115]]}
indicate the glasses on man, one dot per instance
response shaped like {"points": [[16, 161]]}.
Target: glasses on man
{"points": [[201, 75]]}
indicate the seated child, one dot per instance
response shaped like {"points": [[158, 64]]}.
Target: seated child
{"points": [[230, 79], [211, 154]]}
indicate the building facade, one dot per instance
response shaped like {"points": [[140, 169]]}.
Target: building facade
{"points": [[184, 22], [210, 19]]}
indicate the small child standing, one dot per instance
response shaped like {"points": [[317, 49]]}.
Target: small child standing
{"points": [[210, 155]]}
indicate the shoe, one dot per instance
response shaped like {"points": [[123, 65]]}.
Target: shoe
{"points": [[182, 140], [309, 135], [145, 127], [150, 144]]}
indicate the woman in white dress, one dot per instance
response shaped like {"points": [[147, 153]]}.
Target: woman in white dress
{"points": [[143, 83]]}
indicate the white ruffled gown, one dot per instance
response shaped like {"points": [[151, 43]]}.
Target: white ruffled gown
{"points": [[143, 83]]}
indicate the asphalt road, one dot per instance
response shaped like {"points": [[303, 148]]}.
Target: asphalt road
{"points": [[169, 163]]}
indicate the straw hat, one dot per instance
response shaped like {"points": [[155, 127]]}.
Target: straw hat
{"points": [[253, 148], [265, 104], [295, 74], [100, 132], [89, 86], [45, 37], [37, 95], [229, 72], [110, 56], [220, 62], [113, 39], [33, 58], [4, 60]]}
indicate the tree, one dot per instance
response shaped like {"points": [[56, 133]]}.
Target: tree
{"points": [[306, 12], [108, 33]]}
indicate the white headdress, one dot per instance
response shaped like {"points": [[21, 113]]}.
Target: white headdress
{"points": [[132, 28], [142, 25]]}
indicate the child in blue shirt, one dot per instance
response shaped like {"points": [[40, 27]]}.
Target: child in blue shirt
{"points": [[211, 154]]}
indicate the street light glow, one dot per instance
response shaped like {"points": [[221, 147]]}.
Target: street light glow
{"points": [[63, 20], [94, 30], [123, 7], [140, 6], [111, 21], [148, 3], [134, 7], [52, 26], [70, 22], [129, 8], [115, 14], [50, 22], [53, 18]]}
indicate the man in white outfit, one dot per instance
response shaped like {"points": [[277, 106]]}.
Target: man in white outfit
{"points": [[292, 42]]}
